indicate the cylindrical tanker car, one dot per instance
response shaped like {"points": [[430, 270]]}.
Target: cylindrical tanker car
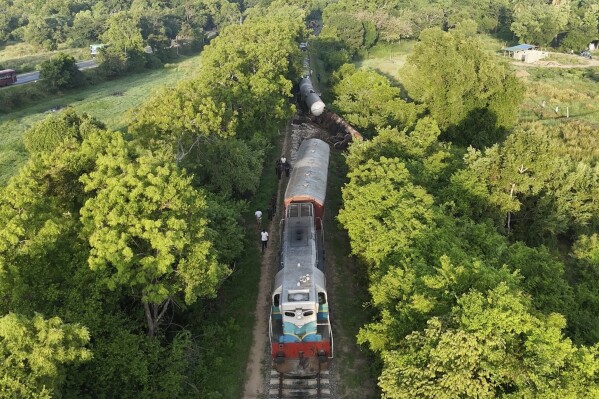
{"points": [[310, 97], [300, 328]]}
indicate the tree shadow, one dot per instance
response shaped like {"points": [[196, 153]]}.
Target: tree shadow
{"points": [[480, 128]]}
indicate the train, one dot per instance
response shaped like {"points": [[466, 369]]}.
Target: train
{"points": [[300, 330], [308, 96], [7, 77]]}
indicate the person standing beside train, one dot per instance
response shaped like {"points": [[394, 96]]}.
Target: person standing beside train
{"points": [[278, 169], [283, 162], [264, 239], [258, 217]]}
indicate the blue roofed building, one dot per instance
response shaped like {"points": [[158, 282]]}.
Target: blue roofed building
{"points": [[524, 52]]}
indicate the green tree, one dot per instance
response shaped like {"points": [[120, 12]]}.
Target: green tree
{"points": [[538, 22], [182, 119], [470, 94], [49, 133], [147, 227], [382, 210], [87, 28], [33, 354], [123, 34], [536, 183], [228, 166], [61, 72], [45, 31], [492, 345], [368, 101]]}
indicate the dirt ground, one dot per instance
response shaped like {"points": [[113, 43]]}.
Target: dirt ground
{"points": [[577, 62], [258, 367]]}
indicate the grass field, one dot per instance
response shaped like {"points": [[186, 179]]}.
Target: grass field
{"points": [[573, 90], [23, 57], [388, 58], [108, 101]]}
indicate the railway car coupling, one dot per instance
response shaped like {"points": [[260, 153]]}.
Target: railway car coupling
{"points": [[280, 358], [303, 361], [322, 356]]}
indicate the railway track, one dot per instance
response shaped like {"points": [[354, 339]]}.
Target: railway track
{"points": [[284, 386]]}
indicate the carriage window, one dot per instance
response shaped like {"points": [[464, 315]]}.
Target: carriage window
{"points": [[276, 300]]}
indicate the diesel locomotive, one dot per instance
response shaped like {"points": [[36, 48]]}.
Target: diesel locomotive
{"points": [[300, 327]]}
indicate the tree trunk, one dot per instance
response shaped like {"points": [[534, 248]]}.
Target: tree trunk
{"points": [[154, 314]]}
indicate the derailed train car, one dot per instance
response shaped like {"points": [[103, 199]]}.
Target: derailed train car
{"points": [[310, 98], [300, 327]]}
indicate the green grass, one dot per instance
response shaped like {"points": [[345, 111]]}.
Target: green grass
{"points": [[572, 59], [23, 57], [108, 101], [387, 58], [576, 89]]}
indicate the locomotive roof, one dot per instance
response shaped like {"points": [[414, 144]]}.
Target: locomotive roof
{"points": [[300, 274], [308, 181]]}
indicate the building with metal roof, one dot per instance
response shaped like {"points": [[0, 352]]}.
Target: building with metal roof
{"points": [[524, 52]]}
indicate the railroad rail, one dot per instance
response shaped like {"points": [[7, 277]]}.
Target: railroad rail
{"points": [[314, 386]]}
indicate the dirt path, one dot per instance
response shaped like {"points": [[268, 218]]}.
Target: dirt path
{"points": [[258, 360], [556, 64]]}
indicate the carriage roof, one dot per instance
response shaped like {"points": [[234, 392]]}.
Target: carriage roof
{"points": [[308, 181]]}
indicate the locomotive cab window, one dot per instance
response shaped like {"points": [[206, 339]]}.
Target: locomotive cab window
{"points": [[293, 211], [306, 209], [322, 299], [298, 296], [276, 300]]}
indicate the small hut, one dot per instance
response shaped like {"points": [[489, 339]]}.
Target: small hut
{"points": [[524, 52]]}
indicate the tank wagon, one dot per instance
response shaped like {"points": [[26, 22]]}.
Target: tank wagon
{"points": [[300, 328], [310, 97]]}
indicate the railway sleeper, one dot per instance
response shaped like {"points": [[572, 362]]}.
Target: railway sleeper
{"points": [[324, 394]]}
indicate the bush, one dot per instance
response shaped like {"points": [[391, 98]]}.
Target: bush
{"points": [[153, 62], [61, 72], [16, 96]]}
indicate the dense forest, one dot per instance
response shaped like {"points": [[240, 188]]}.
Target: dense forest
{"points": [[478, 232], [112, 241]]}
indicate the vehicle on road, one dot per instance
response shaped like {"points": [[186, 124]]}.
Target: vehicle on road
{"points": [[7, 77]]}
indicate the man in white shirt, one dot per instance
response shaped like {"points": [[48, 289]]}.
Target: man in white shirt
{"points": [[264, 237], [259, 217]]}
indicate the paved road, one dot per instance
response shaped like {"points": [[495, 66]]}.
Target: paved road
{"points": [[33, 76]]}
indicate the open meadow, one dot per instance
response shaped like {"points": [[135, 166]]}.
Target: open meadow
{"points": [[387, 59], [109, 102], [552, 93]]}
